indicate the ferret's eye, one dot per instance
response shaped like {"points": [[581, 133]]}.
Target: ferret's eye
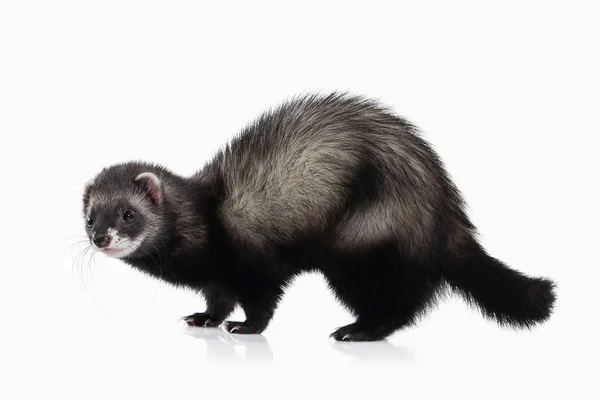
{"points": [[128, 216], [90, 221]]}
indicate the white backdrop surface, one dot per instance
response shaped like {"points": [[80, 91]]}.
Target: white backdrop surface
{"points": [[506, 93]]}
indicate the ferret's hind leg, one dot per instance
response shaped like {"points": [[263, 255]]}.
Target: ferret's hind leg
{"points": [[384, 291], [219, 305]]}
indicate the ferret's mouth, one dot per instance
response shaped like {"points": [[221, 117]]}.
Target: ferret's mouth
{"points": [[112, 251], [118, 252], [115, 246]]}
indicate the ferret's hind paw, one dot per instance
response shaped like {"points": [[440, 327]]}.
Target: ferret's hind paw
{"points": [[242, 328], [202, 320]]}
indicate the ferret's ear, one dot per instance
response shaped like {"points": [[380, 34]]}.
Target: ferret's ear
{"points": [[151, 184], [86, 191], [88, 187], [89, 184]]}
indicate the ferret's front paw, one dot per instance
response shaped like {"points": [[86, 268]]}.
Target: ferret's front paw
{"points": [[243, 328], [356, 333], [201, 319]]}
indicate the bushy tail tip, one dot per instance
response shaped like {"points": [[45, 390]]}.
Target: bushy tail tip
{"points": [[501, 293]]}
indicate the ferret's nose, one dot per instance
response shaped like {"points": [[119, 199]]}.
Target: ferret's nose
{"points": [[102, 241]]}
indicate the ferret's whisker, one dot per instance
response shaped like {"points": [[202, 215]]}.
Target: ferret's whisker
{"points": [[69, 248], [81, 268], [77, 259], [89, 264]]}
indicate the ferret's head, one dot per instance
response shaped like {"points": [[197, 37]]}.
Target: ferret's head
{"points": [[124, 211]]}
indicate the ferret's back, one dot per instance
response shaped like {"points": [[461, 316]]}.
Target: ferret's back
{"points": [[293, 171]]}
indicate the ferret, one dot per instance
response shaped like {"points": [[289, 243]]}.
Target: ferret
{"points": [[335, 183]]}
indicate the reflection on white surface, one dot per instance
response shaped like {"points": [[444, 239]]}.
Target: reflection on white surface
{"points": [[382, 351], [223, 346]]}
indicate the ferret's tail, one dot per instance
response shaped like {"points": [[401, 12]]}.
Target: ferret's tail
{"points": [[501, 293]]}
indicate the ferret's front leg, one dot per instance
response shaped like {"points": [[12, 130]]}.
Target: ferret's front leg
{"points": [[219, 305], [259, 309]]}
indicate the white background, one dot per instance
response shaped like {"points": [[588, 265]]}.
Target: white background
{"points": [[507, 94]]}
